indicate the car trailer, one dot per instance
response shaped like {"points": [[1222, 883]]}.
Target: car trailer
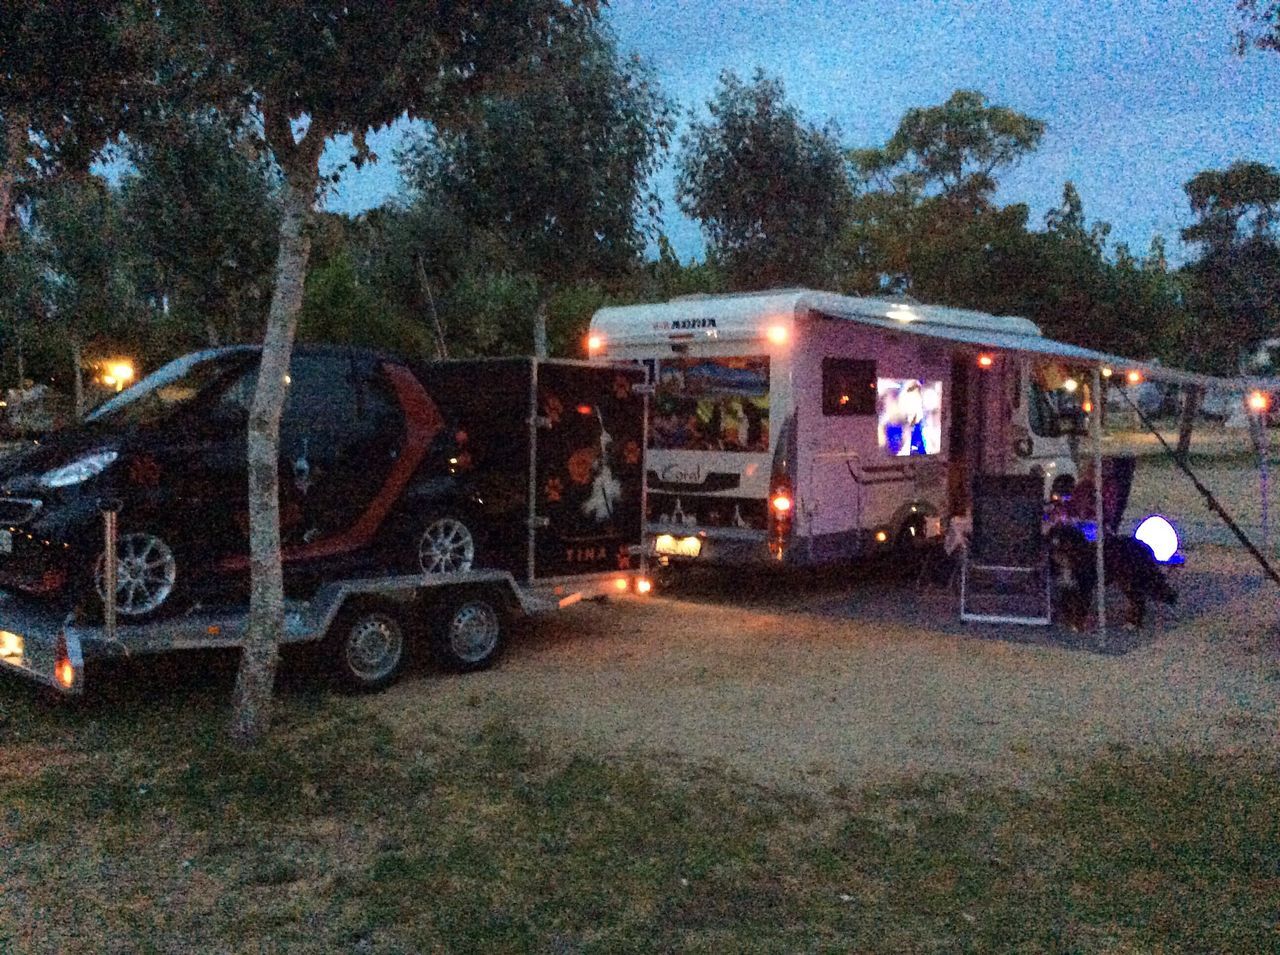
{"points": [[367, 622]]}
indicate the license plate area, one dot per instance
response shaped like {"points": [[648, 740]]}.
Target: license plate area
{"points": [[668, 545]]}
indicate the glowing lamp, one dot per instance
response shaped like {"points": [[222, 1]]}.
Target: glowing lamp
{"points": [[11, 646], [781, 503], [882, 536], [985, 360], [1087, 407], [644, 585], [65, 674], [1106, 373], [1134, 377], [594, 343], [620, 583], [584, 409], [1259, 402], [1070, 385], [777, 334], [1158, 534]]}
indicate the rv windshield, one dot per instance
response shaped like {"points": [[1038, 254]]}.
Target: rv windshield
{"points": [[711, 404]]}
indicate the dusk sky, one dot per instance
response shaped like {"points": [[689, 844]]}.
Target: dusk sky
{"points": [[1138, 95]]}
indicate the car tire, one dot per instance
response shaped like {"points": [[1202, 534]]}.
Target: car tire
{"points": [[368, 646], [443, 543], [149, 579], [468, 630]]}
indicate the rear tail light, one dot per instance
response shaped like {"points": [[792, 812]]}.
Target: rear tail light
{"points": [[781, 508], [64, 670]]}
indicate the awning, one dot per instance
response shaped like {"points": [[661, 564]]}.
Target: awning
{"points": [[1042, 347]]}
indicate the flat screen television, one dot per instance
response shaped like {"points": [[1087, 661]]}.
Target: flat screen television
{"points": [[909, 413]]}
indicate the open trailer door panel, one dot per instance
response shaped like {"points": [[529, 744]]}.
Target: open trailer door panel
{"points": [[588, 469]]}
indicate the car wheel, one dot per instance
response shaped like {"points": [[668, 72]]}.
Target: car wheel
{"points": [[147, 576], [444, 545], [368, 646], [468, 631]]}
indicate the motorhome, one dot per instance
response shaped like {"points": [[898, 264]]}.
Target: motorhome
{"points": [[808, 427]]}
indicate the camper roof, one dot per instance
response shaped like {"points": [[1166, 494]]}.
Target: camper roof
{"points": [[743, 315]]}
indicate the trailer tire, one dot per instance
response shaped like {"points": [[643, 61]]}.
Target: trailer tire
{"points": [[468, 630], [368, 646]]}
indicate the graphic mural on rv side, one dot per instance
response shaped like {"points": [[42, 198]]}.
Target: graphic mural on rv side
{"points": [[910, 416], [711, 404]]}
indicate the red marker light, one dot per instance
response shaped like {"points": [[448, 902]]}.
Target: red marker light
{"points": [[985, 361]]}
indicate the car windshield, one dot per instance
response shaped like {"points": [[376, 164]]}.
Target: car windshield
{"points": [[176, 384]]}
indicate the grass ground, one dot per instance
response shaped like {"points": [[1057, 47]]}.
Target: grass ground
{"points": [[131, 826]]}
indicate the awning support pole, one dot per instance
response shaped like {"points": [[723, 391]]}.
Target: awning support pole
{"points": [[1095, 426]]}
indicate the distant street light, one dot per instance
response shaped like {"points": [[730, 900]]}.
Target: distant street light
{"points": [[117, 374]]}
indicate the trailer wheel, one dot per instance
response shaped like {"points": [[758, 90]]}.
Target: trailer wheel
{"points": [[468, 630], [368, 646]]}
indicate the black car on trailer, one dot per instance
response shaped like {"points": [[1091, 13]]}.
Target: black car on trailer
{"points": [[402, 486]]}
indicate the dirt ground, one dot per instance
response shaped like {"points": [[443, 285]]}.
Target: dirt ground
{"points": [[803, 689]]}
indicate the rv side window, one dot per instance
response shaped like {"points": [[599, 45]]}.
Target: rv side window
{"points": [[848, 386]]}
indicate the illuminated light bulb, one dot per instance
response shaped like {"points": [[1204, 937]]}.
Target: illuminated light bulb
{"points": [[65, 673], [1106, 373], [985, 361], [1259, 402], [620, 583], [1134, 377], [594, 343], [777, 334], [881, 536], [1158, 534], [781, 503], [644, 585], [1070, 385]]}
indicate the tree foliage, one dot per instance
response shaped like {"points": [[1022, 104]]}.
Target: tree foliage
{"points": [[924, 218], [557, 167], [203, 216], [769, 189], [74, 75], [1234, 285]]}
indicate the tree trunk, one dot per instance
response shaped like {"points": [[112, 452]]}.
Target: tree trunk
{"points": [[540, 330], [77, 376], [15, 155], [251, 712], [1190, 408]]}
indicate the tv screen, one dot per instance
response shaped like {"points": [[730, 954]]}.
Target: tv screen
{"points": [[910, 416]]}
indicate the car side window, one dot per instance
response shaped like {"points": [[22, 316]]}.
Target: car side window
{"points": [[320, 405]]}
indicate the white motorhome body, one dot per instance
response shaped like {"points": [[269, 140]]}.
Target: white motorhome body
{"points": [[805, 426]]}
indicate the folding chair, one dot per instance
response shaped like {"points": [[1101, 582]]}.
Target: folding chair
{"points": [[1007, 544]]}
